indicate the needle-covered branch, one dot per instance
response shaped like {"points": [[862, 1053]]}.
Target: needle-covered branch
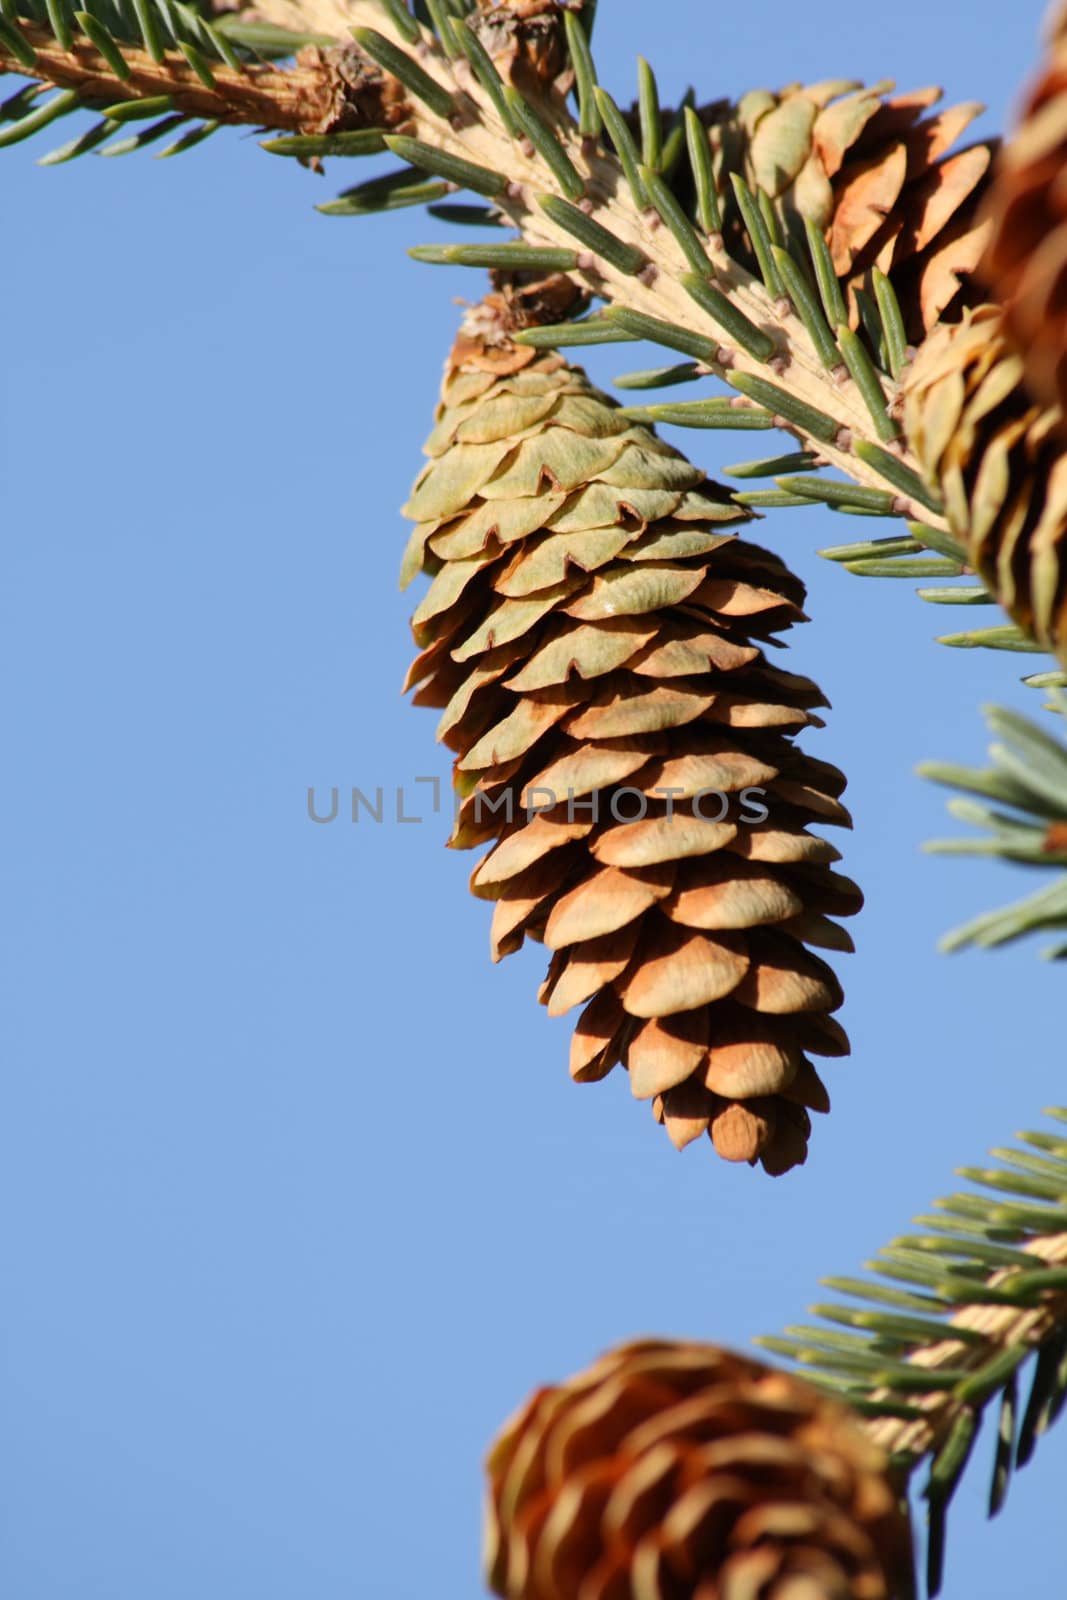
{"points": [[133, 68], [261, 94], [941, 1332], [570, 193]]}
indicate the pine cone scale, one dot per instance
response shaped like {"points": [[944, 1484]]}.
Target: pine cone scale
{"points": [[604, 902], [676, 969], [668, 837]]}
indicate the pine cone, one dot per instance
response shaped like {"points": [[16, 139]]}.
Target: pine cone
{"points": [[874, 172], [683, 1472], [998, 461], [593, 632], [1025, 266]]}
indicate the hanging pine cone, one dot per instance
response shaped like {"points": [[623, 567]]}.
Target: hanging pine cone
{"points": [[593, 632], [1025, 266], [873, 171], [674, 1470], [997, 460]]}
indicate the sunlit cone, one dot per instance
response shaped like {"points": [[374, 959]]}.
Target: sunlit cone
{"points": [[878, 173], [675, 1471], [1025, 266], [593, 632], [997, 459]]}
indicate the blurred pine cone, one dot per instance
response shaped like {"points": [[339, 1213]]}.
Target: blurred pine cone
{"points": [[1025, 266], [997, 460], [593, 633], [875, 173], [679, 1471]]}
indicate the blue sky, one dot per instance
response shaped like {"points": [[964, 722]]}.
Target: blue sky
{"points": [[298, 1200]]}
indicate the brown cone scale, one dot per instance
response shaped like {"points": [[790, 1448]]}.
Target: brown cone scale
{"points": [[678, 1471], [595, 635]]}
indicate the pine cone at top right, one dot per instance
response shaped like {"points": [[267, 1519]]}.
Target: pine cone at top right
{"points": [[998, 460], [878, 173], [1025, 265]]}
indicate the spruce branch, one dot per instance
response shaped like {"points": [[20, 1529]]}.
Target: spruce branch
{"points": [[778, 334], [1027, 784], [140, 63], [643, 272], [1035, 1311], [943, 1329], [334, 19], [296, 99]]}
